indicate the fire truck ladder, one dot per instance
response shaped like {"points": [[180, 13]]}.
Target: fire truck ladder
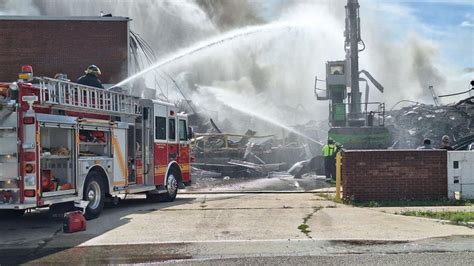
{"points": [[68, 95]]}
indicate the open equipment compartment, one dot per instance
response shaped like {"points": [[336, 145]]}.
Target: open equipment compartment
{"points": [[57, 155], [94, 140], [9, 170]]}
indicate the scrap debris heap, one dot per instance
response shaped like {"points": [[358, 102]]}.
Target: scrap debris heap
{"points": [[410, 125], [249, 153]]}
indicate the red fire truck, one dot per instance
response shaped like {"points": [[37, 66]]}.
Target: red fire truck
{"points": [[65, 142]]}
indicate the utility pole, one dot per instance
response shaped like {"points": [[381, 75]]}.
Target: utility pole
{"points": [[353, 38]]}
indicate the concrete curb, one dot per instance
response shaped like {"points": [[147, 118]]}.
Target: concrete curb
{"points": [[467, 224]]}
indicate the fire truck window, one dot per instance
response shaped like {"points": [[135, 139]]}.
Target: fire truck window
{"points": [[138, 138], [182, 130], [160, 128], [172, 127]]}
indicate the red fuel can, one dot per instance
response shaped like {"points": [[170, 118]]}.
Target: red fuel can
{"points": [[74, 222]]}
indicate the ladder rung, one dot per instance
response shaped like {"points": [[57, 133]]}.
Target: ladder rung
{"points": [[77, 96]]}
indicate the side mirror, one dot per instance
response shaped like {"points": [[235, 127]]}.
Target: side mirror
{"points": [[190, 133]]}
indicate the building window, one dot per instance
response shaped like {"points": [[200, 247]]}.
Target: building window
{"points": [[160, 128], [336, 70]]}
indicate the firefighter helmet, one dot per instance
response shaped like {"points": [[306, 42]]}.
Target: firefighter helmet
{"points": [[93, 69]]}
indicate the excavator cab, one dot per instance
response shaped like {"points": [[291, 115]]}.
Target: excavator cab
{"points": [[363, 129]]}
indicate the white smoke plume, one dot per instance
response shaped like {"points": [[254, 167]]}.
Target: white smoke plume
{"points": [[166, 24], [18, 8], [243, 13], [278, 66]]}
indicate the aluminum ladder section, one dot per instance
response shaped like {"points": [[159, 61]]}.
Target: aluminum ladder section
{"points": [[73, 96]]}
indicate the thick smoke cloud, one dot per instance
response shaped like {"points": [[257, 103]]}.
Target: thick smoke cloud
{"points": [[405, 68], [242, 13], [166, 25], [277, 65]]}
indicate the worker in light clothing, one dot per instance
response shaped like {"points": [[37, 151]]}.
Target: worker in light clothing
{"points": [[445, 143], [329, 153]]}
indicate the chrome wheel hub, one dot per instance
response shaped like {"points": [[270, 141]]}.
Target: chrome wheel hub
{"points": [[93, 195], [172, 185]]}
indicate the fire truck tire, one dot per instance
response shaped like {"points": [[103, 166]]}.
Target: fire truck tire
{"points": [[153, 197], [94, 192], [11, 214], [171, 188]]}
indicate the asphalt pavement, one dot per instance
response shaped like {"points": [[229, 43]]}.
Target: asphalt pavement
{"points": [[428, 259], [294, 227]]}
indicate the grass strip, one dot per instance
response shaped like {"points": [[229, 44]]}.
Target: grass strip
{"points": [[453, 216], [411, 203]]}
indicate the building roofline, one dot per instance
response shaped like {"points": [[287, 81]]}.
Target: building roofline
{"points": [[84, 18]]}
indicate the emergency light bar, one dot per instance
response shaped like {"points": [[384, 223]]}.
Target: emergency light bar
{"points": [[26, 72]]}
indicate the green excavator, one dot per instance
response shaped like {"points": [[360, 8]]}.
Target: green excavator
{"points": [[353, 123]]}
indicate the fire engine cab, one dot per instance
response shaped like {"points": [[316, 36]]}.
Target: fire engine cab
{"points": [[65, 142]]}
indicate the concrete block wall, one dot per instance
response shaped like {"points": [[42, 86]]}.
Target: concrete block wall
{"points": [[379, 175]]}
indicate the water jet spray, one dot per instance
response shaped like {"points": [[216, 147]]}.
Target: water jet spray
{"points": [[238, 103], [213, 42]]}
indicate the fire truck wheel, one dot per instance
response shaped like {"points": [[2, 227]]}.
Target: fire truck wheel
{"points": [[11, 214], [171, 188], [151, 197], [94, 193]]}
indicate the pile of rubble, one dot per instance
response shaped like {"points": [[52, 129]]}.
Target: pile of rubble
{"points": [[410, 125], [249, 153]]}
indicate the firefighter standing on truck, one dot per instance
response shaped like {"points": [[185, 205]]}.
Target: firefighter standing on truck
{"points": [[329, 153], [91, 78]]}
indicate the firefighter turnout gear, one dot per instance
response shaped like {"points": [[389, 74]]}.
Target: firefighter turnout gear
{"points": [[91, 77]]}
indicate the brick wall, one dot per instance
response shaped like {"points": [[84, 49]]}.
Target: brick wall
{"points": [[64, 46], [377, 175]]}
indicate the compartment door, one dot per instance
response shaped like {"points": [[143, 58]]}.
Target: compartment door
{"points": [[119, 147]]}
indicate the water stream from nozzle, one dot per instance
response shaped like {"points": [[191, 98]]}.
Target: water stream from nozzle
{"points": [[239, 103], [213, 42]]}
